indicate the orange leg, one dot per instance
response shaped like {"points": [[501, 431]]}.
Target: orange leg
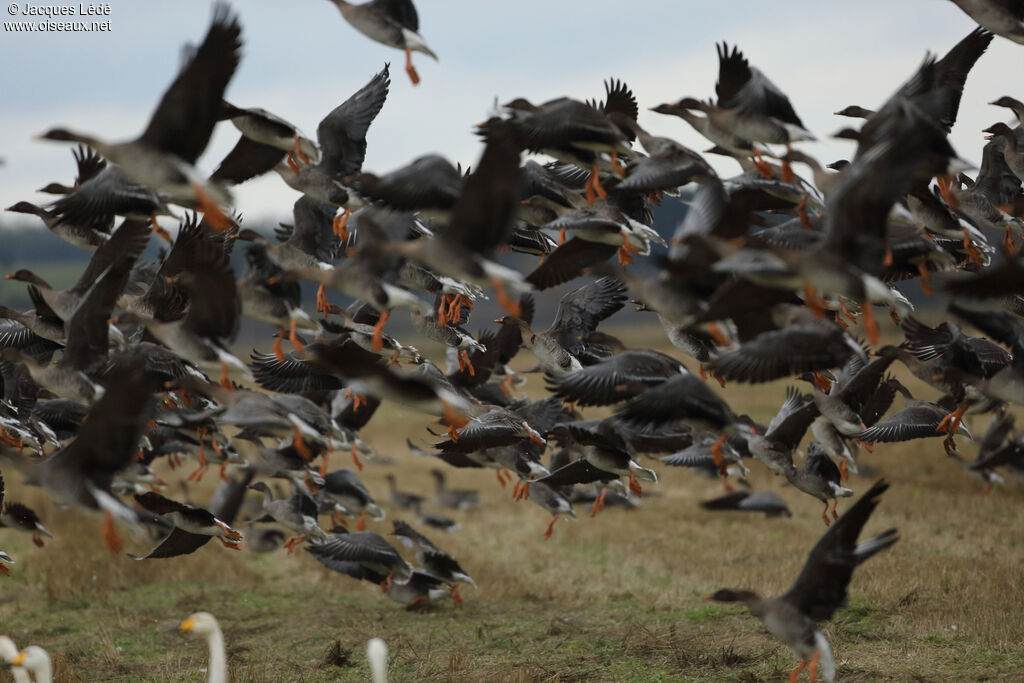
{"points": [[361, 521], [455, 595], [1009, 245], [794, 675], [813, 302], [524, 489], [293, 337], [290, 160], [951, 422], [561, 236], [501, 480], [469, 364], [946, 190], [616, 166], [386, 584], [5, 570], [550, 527], [355, 459], [290, 544], [634, 485], [822, 382], [378, 341], [835, 505], [510, 305], [844, 470], [231, 533], [323, 464], [298, 151], [926, 275], [824, 514], [717, 334], [322, 304], [338, 225], [418, 600], [164, 235], [212, 213], [762, 166], [845, 311], [110, 537], [626, 250], [410, 69], [229, 544], [224, 381], [867, 314], [801, 211], [278, 351], [716, 452], [442, 309], [787, 170], [973, 254], [222, 472], [593, 186], [300, 446], [37, 540], [812, 672]]}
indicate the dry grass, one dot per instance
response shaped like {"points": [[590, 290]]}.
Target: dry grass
{"points": [[615, 598]]}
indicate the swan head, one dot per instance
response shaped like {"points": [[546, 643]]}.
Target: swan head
{"points": [[202, 623]]}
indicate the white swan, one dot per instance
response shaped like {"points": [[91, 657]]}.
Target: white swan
{"points": [[377, 653], [204, 624], [37, 661], [8, 651]]}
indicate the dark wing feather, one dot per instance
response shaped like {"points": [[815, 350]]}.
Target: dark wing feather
{"points": [[580, 311], [782, 353], [160, 505], [89, 164], [821, 586], [183, 121], [214, 306], [87, 328], [401, 11], [791, 423], [541, 415], [1005, 328], [362, 546], [177, 543], [485, 213], [915, 422], [733, 74], [576, 472], [568, 262], [247, 159], [107, 439], [342, 133], [313, 233]]}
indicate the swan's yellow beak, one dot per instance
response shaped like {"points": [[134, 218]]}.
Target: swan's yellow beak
{"points": [[18, 660], [187, 625]]}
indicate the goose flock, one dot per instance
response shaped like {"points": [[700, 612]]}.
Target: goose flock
{"points": [[770, 276]]}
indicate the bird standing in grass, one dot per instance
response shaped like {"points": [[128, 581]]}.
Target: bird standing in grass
{"points": [[820, 588]]}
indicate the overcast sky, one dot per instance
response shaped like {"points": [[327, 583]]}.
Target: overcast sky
{"points": [[300, 59]]}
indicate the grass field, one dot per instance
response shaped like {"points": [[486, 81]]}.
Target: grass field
{"points": [[615, 598]]}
